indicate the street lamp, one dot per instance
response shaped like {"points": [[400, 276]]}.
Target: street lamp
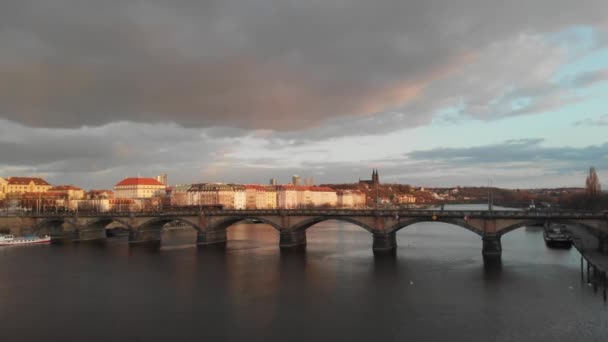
{"points": [[490, 199]]}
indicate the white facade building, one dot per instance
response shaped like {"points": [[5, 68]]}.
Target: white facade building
{"points": [[351, 199], [287, 197]]}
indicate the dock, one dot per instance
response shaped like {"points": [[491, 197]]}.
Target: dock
{"points": [[596, 262]]}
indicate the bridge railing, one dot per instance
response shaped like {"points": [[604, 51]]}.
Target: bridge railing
{"points": [[338, 212]]}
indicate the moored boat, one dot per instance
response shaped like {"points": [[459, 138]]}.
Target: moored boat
{"points": [[10, 240], [557, 236]]}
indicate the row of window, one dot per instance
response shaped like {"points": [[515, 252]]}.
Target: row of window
{"points": [[15, 188]]}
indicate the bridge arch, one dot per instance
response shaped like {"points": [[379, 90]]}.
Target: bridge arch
{"points": [[304, 225], [453, 222], [159, 222], [54, 225], [103, 223], [225, 223]]}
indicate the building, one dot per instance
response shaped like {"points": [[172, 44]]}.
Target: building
{"points": [[99, 194], [291, 196], [405, 199], [123, 204], [303, 196], [250, 196], [271, 197], [287, 197], [163, 179], [351, 199], [240, 199], [255, 197], [17, 186], [91, 205], [3, 185], [42, 201], [179, 195], [323, 197], [295, 180], [201, 194], [372, 182], [108, 204], [228, 195], [273, 181], [71, 192], [101, 201], [139, 188]]}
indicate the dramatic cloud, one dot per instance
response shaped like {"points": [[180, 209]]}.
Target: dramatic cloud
{"points": [[233, 90], [103, 155], [260, 64]]}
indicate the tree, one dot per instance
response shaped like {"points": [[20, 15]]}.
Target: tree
{"points": [[593, 186]]}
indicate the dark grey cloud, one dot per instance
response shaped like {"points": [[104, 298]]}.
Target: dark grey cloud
{"points": [[518, 152], [261, 64], [513, 77], [100, 156]]}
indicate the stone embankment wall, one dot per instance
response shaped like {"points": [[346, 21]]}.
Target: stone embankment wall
{"points": [[15, 225]]}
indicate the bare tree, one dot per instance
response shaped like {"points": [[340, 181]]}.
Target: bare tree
{"points": [[593, 186]]}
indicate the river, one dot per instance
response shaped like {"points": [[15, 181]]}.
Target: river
{"points": [[436, 288]]}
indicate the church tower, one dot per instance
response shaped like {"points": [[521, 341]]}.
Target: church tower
{"points": [[375, 177]]}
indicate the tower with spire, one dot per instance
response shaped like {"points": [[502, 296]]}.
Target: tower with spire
{"points": [[375, 177], [374, 181]]}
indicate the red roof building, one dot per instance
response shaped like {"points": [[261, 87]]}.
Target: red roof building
{"points": [[27, 181], [21, 185], [139, 181], [72, 192], [139, 188]]}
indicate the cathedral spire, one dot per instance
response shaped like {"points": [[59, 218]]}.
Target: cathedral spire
{"points": [[375, 177]]}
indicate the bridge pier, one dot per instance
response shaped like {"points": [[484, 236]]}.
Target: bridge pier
{"points": [[492, 247], [151, 236], [90, 235], [602, 246], [385, 243], [291, 239], [63, 237], [209, 237]]}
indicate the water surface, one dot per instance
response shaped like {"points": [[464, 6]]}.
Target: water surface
{"points": [[437, 288]]}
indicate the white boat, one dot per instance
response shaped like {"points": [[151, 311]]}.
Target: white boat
{"points": [[9, 240]]}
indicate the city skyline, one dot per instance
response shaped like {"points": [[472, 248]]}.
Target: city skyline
{"points": [[430, 93]]}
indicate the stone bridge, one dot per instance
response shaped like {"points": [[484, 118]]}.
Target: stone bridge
{"points": [[146, 227]]}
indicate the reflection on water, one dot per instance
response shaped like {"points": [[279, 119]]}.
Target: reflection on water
{"points": [[436, 288]]}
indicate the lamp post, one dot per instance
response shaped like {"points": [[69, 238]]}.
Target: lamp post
{"points": [[490, 199]]}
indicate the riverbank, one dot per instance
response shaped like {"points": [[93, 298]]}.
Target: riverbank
{"points": [[596, 269]]}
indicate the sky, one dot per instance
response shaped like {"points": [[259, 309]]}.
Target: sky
{"points": [[430, 92]]}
